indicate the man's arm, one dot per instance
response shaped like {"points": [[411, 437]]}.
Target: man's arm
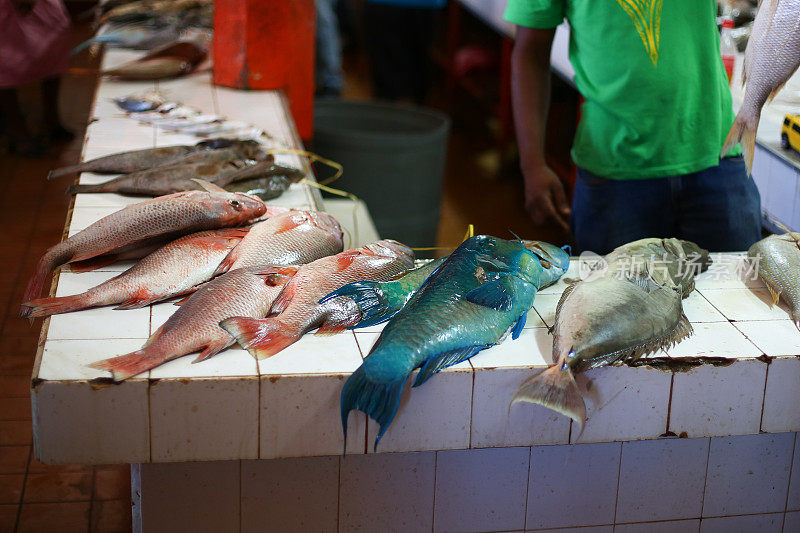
{"points": [[545, 198]]}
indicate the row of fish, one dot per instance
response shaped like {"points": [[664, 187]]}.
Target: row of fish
{"points": [[240, 166]]}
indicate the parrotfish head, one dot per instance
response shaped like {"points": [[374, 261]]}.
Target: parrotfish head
{"points": [[390, 248], [551, 256], [235, 208]]}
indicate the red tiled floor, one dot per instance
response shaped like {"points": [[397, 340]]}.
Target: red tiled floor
{"points": [[14, 386], [112, 484], [15, 409], [67, 517], [15, 432], [111, 516], [58, 487], [14, 459], [8, 517]]}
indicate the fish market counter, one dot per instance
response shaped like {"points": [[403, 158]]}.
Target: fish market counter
{"points": [[706, 430]]}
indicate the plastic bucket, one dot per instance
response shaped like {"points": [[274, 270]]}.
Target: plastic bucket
{"points": [[393, 158]]}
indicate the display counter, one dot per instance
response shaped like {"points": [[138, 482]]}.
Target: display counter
{"points": [[706, 429]]}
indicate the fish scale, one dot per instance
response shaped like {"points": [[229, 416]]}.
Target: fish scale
{"points": [[195, 325], [779, 268]]}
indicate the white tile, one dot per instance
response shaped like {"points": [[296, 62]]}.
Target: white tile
{"points": [[533, 348], [90, 423], [103, 199], [698, 309], [69, 359], [101, 323], [90, 178], [715, 339], [724, 400], [773, 337], [545, 305], [290, 494], [793, 501], [573, 485], [315, 354], [763, 523], [791, 522], [481, 490], [748, 474], [300, 416], [387, 492], [495, 423], [70, 283], [86, 216], [662, 479], [671, 526], [727, 271], [433, 416], [780, 397], [190, 496], [366, 338], [228, 363], [746, 304], [623, 403], [183, 413], [160, 313]]}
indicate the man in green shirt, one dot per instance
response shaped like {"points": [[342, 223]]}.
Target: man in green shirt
{"points": [[656, 110]]}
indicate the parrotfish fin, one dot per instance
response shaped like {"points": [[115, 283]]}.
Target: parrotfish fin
{"points": [[379, 401], [262, 338], [370, 298], [516, 331], [441, 361], [555, 389], [492, 264], [129, 365], [52, 306], [212, 349], [497, 295]]}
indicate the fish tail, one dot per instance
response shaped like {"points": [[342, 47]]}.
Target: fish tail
{"points": [[53, 306], [65, 171], [84, 188], [379, 401], [51, 259], [371, 300], [554, 388], [129, 365], [262, 338], [743, 129]]}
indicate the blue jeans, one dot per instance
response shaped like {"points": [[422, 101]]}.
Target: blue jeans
{"points": [[718, 208]]}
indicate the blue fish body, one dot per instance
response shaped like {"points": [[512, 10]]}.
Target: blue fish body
{"points": [[554, 261], [478, 295]]}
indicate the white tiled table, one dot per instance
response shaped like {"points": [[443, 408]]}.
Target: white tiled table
{"points": [[231, 444]]}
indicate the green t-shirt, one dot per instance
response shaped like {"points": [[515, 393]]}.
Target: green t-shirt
{"points": [[657, 100]]}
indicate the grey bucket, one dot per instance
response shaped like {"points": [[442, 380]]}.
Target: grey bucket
{"points": [[393, 158]]}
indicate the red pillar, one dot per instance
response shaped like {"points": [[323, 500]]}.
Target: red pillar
{"points": [[268, 44]]}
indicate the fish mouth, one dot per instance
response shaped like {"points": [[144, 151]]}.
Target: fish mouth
{"points": [[389, 247], [325, 221], [548, 254]]}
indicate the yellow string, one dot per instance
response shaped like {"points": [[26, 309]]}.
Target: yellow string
{"points": [[470, 233], [313, 157], [338, 192]]}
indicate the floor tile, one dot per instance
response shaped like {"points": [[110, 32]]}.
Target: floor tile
{"points": [[15, 432], [15, 409], [112, 484], [111, 516], [763, 523], [8, 517], [14, 459], [58, 487], [11, 488], [71, 517]]}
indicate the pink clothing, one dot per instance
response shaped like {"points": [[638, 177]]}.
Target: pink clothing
{"points": [[35, 45]]}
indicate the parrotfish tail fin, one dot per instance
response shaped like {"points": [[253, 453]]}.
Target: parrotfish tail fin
{"points": [[129, 365], [50, 260], [84, 188], [53, 306], [379, 401], [262, 338], [743, 129], [554, 388], [442, 361], [375, 304]]}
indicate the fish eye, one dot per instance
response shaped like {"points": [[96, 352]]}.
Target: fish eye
{"points": [[235, 203]]}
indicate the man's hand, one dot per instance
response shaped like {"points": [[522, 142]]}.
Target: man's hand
{"points": [[545, 198]]}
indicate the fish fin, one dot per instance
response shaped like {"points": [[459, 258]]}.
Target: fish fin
{"points": [[497, 295], [228, 262], [776, 294], [49, 261], [129, 365], [743, 129], [212, 349], [492, 264], [282, 301], [208, 186], [332, 325], [564, 295], [42, 307], [155, 336], [65, 171], [438, 362], [775, 92], [379, 401], [345, 260], [261, 337], [554, 388], [289, 223], [85, 188], [134, 303], [681, 330], [370, 298], [516, 331], [88, 265], [228, 233]]}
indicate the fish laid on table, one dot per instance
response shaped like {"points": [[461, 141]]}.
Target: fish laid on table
{"points": [[150, 8], [628, 309], [779, 269], [380, 301], [171, 270], [164, 217], [275, 182], [772, 56], [138, 160], [479, 294], [291, 238], [297, 310], [195, 325], [168, 61]]}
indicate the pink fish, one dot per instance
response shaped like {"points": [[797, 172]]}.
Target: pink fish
{"points": [[195, 325], [297, 309], [292, 238], [171, 270], [163, 217]]}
